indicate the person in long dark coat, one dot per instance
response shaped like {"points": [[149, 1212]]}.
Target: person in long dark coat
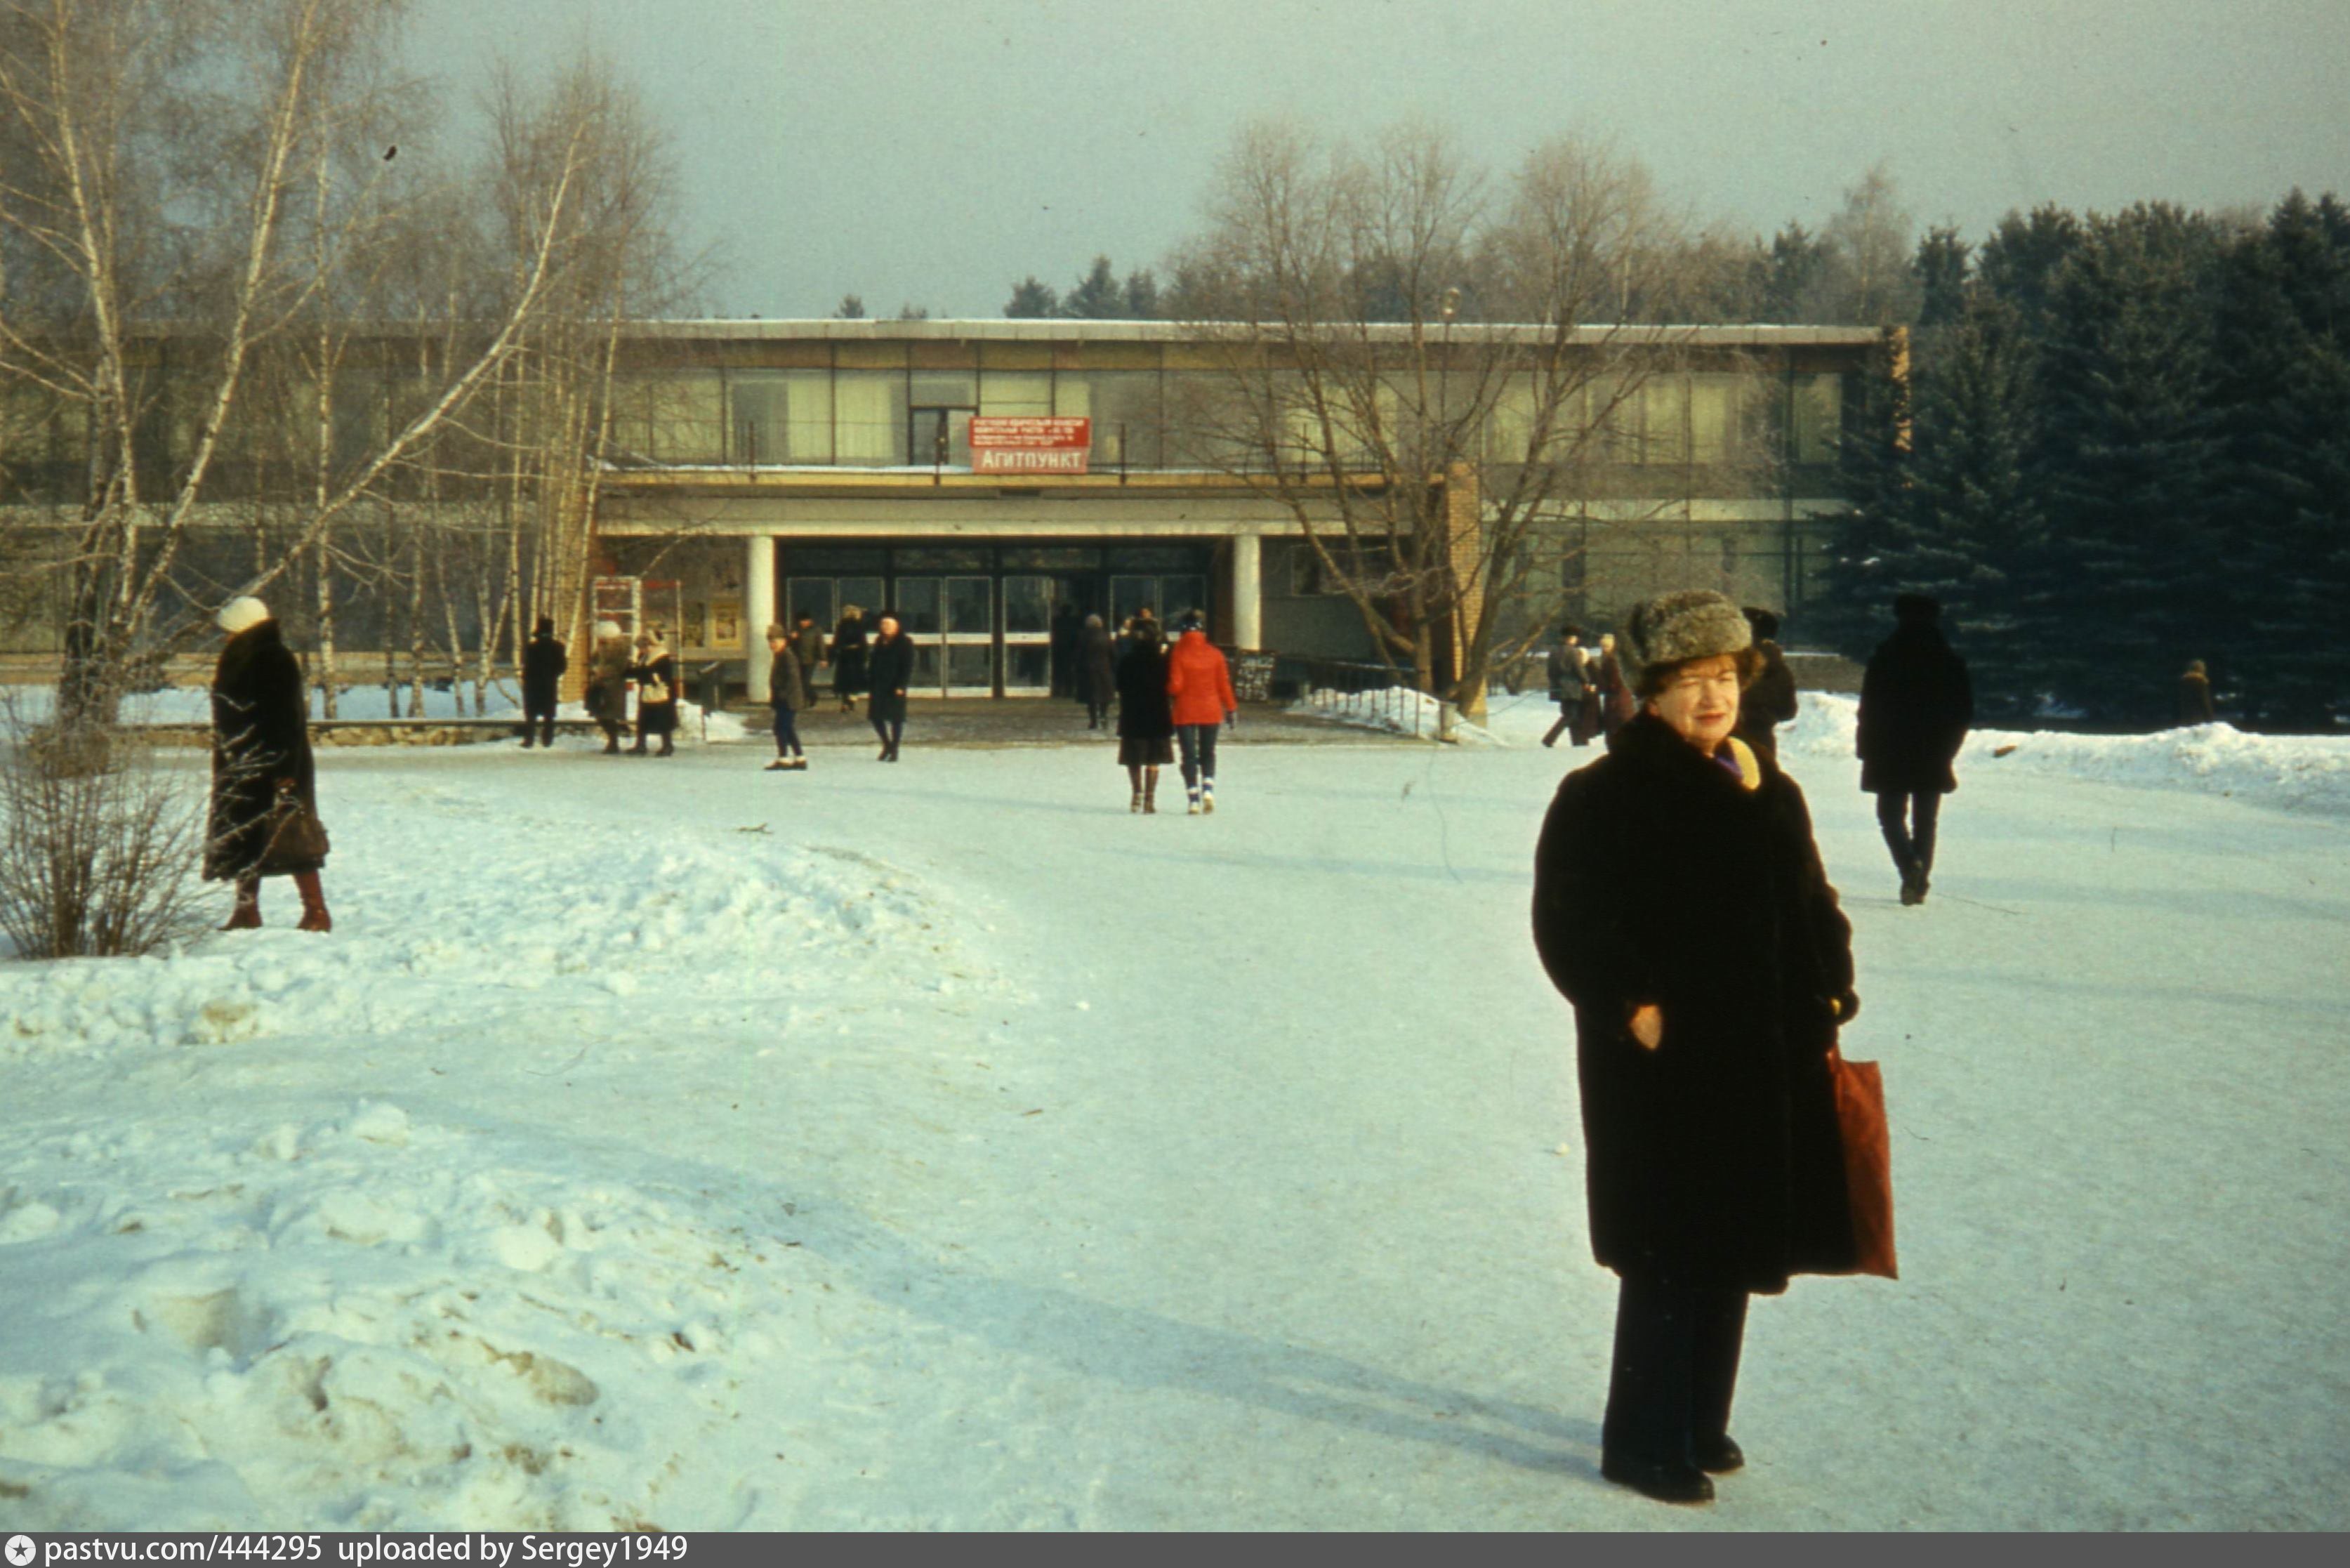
{"points": [[787, 694], [1915, 706], [1098, 673], [892, 668], [849, 653], [1615, 694], [544, 661], [1146, 714], [1680, 904], [2195, 696], [1569, 670], [607, 692], [1771, 701], [261, 749], [655, 673], [809, 649]]}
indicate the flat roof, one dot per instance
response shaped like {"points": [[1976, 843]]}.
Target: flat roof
{"points": [[1054, 329]]}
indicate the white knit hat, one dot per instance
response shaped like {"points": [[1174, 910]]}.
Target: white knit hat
{"points": [[604, 629], [241, 614]]}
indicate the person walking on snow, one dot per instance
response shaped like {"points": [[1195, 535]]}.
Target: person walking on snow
{"points": [[1616, 706], [1681, 906], [1771, 701], [261, 767], [655, 673], [1916, 705], [787, 692], [607, 692], [1146, 715], [1097, 673], [891, 667], [1200, 685], [848, 658], [544, 661], [2195, 696], [808, 647], [1569, 668]]}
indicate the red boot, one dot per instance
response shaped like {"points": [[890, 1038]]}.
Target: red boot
{"points": [[314, 903], [246, 916]]}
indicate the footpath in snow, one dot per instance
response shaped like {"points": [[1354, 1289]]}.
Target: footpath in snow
{"points": [[681, 1144]]}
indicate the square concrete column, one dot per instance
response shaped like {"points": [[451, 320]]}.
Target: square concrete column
{"points": [[758, 609], [1248, 591]]}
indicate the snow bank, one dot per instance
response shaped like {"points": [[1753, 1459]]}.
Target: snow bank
{"points": [[193, 705], [1391, 711], [2307, 772], [543, 913], [367, 1321]]}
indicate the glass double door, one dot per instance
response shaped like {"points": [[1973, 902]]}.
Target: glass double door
{"points": [[974, 636]]}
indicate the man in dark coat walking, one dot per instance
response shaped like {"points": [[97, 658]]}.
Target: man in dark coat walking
{"points": [[1771, 701], [891, 666], [544, 661], [260, 752], [1098, 673], [1915, 706], [1680, 904], [1569, 668], [787, 694]]}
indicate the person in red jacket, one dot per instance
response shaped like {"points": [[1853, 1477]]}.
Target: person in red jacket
{"points": [[1200, 687]]}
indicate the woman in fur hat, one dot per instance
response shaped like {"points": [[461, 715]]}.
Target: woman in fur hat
{"points": [[655, 673], [261, 750], [1681, 906]]}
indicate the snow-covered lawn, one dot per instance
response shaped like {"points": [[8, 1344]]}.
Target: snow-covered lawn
{"points": [[940, 1145]]}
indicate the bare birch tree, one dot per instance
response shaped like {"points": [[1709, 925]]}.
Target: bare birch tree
{"points": [[1428, 374]]}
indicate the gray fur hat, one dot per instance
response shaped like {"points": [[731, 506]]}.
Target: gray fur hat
{"points": [[1673, 629]]}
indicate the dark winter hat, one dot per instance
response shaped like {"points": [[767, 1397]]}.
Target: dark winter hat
{"points": [[1673, 629], [547, 626], [1917, 609], [1765, 624], [778, 632]]}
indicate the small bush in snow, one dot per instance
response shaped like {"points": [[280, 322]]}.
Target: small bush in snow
{"points": [[101, 841]]}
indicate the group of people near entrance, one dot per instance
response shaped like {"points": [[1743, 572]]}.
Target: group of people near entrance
{"points": [[882, 667]]}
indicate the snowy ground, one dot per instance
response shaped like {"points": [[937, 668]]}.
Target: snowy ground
{"points": [[671, 1142]]}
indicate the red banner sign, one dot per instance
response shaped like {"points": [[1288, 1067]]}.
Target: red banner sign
{"points": [[1031, 443]]}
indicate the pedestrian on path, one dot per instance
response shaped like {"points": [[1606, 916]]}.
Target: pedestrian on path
{"points": [[1569, 668], [1096, 673], [1681, 906], [1200, 685], [2195, 696], [263, 774], [808, 647], [849, 653], [607, 692], [544, 661], [1916, 705], [1771, 701], [787, 694], [891, 670], [1616, 704], [655, 673], [1146, 715]]}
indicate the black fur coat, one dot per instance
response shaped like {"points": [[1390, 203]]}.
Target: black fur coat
{"points": [[260, 733]]}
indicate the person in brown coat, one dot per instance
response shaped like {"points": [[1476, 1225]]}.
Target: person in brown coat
{"points": [[1681, 906], [1615, 694], [2195, 696], [261, 750], [1771, 701]]}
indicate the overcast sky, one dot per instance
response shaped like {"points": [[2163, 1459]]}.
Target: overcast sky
{"points": [[934, 151]]}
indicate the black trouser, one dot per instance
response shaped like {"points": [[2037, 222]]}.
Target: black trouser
{"points": [[1567, 709], [1199, 745], [891, 731], [1675, 1370], [1909, 822], [788, 733], [540, 718]]}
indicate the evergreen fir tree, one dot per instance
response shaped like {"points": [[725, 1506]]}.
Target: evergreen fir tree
{"points": [[1032, 299], [1096, 297], [2130, 458], [1868, 543], [1142, 296], [1941, 271], [2282, 513], [2018, 262], [850, 308]]}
